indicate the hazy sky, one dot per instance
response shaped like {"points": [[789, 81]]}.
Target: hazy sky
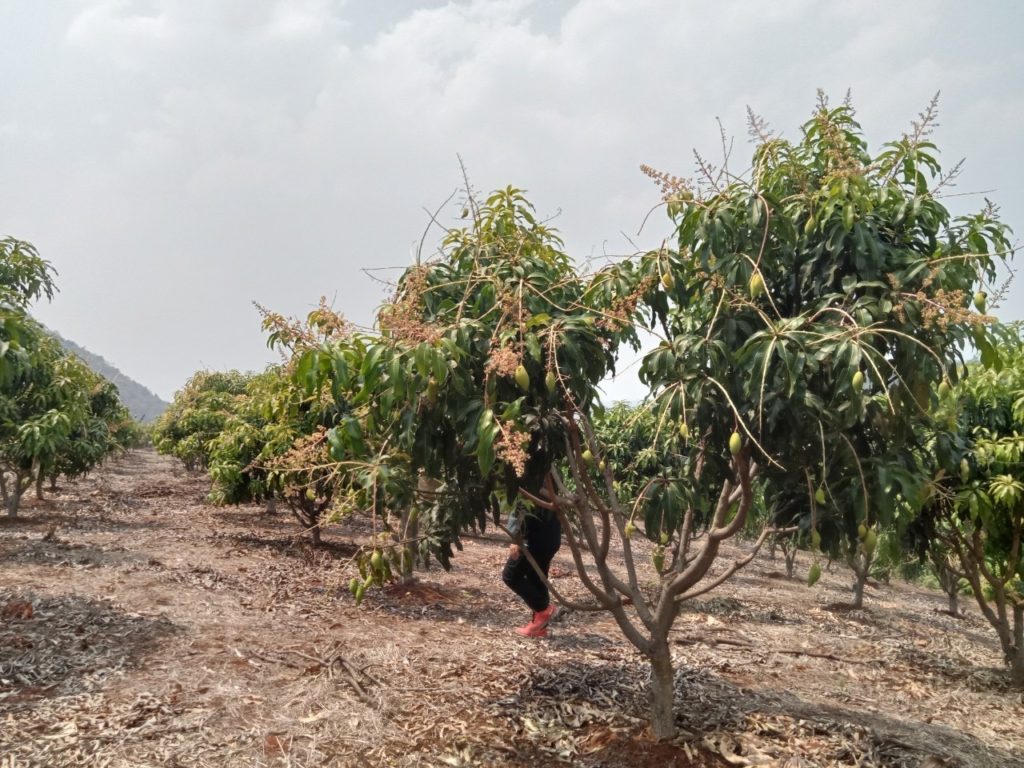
{"points": [[177, 160]]}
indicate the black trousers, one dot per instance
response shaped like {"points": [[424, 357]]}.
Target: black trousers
{"points": [[542, 536]]}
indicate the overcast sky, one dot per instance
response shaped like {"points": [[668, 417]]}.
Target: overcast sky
{"points": [[177, 160]]}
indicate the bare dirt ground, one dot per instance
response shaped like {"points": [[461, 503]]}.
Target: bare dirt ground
{"points": [[140, 626]]}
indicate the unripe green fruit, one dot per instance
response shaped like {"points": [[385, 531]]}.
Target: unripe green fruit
{"points": [[980, 301], [819, 495], [628, 529], [870, 542], [735, 443], [813, 575], [756, 285], [432, 392], [658, 558], [663, 538], [862, 531], [667, 281], [311, 494], [857, 381], [601, 465], [943, 388], [523, 378], [684, 431], [376, 561], [551, 381], [965, 470], [359, 593], [588, 456], [815, 539], [353, 586]]}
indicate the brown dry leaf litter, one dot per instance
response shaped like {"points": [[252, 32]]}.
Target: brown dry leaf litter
{"points": [[141, 627]]}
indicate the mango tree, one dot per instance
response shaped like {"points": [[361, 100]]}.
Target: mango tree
{"points": [[464, 394], [56, 416], [197, 415], [274, 442], [99, 424], [973, 523], [806, 310]]}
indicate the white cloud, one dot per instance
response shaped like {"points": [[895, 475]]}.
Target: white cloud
{"points": [[179, 159]]}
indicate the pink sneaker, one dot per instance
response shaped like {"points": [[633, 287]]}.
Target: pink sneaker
{"points": [[538, 626], [548, 614]]}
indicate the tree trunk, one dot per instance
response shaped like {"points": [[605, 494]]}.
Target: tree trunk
{"points": [[954, 602], [3, 486], [858, 587], [271, 505], [14, 496], [314, 533], [53, 483], [1017, 657], [663, 721], [40, 478], [790, 562]]}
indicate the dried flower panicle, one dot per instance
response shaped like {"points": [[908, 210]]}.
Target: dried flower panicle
{"points": [[402, 319], [620, 313], [938, 309], [503, 361], [511, 446]]}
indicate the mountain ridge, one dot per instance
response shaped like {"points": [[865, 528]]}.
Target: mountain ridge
{"points": [[144, 405]]}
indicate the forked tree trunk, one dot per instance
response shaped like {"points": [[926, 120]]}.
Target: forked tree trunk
{"points": [[662, 692], [308, 517], [860, 564]]}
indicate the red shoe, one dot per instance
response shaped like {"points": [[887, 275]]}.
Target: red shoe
{"points": [[547, 615], [538, 627], [530, 631]]}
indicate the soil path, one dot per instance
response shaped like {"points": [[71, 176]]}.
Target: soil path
{"points": [[142, 627]]}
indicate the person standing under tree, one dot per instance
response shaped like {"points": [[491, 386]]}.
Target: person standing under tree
{"points": [[541, 536]]}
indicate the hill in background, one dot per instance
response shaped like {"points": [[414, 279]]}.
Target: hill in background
{"points": [[143, 405]]}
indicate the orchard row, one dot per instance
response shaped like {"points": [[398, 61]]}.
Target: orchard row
{"points": [[815, 318], [57, 417]]}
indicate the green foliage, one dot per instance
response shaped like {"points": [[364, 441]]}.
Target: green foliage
{"points": [[57, 417], [861, 303], [24, 277], [646, 458], [973, 522], [482, 354], [198, 415]]}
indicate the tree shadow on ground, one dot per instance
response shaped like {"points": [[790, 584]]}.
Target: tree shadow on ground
{"points": [[592, 693], [60, 645], [294, 546]]}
